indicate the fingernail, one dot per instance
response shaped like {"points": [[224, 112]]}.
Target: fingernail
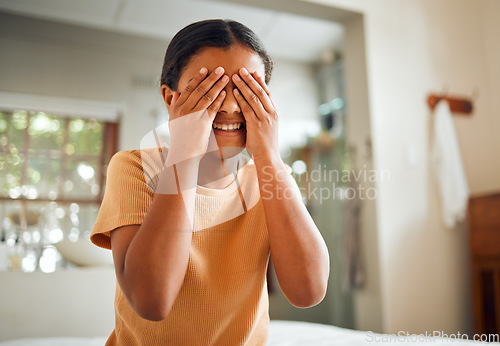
{"points": [[244, 71], [235, 91], [257, 74], [219, 70], [223, 93], [203, 70], [236, 78], [225, 78]]}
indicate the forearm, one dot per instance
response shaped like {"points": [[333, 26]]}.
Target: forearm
{"points": [[300, 256], [156, 259]]}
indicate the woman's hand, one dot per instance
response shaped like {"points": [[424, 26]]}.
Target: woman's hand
{"points": [[192, 113], [260, 114]]}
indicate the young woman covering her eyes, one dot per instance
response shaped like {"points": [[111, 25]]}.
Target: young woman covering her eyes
{"points": [[191, 227]]}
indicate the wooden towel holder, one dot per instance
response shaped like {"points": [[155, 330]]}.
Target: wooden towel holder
{"points": [[458, 105]]}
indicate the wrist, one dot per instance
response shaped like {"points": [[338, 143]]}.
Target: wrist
{"points": [[181, 156], [269, 161], [269, 158], [178, 177]]}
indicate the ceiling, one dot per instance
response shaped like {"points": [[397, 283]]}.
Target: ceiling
{"points": [[285, 35]]}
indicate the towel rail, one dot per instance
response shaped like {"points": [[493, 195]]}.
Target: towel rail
{"points": [[458, 105]]}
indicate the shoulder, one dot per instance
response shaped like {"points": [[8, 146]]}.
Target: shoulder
{"points": [[135, 167], [125, 157], [148, 159]]}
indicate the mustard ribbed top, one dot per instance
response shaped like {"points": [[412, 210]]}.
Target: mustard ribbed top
{"points": [[223, 300]]}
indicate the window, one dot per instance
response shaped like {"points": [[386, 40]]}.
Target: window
{"points": [[52, 179], [51, 158]]}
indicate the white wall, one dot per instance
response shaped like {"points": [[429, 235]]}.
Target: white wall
{"points": [[415, 47], [73, 302]]}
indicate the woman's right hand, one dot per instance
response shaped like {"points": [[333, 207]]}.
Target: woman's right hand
{"points": [[192, 113]]}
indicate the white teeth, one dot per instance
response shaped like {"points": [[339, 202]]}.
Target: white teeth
{"points": [[226, 127]]}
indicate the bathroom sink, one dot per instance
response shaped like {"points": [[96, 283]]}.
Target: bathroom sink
{"points": [[84, 253]]}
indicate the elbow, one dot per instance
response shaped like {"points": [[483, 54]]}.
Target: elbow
{"points": [[308, 295], [307, 299], [151, 309], [154, 315], [150, 303], [311, 289]]}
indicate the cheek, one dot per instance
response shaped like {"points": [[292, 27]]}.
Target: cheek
{"points": [[181, 86]]}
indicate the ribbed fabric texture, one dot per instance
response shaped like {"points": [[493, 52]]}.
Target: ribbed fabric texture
{"points": [[223, 300]]}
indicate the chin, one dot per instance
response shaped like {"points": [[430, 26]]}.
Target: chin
{"points": [[231, 146], [228, 151]]}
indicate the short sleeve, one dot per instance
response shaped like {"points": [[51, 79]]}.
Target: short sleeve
{"points": [[126, 199]]}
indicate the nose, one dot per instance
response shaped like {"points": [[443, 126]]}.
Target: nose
{"points": [[230, 105]]}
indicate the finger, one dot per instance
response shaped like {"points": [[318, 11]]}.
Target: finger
{"points": [[257, 90], [246, 109], [193, 83], [209, 98], [215, 106], [261, 81], [201, 90], [263, 84], [175, 98], [251, 99]]}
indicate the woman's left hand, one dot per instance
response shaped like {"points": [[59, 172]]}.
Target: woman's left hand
{"points": [[260, 114]]}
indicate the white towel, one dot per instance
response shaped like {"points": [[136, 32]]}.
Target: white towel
{"points": [[448, 167]]}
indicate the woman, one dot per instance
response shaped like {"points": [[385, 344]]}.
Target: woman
{"points": [[191, 229]]}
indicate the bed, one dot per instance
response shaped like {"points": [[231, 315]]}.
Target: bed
{"points": [[283, 333]]}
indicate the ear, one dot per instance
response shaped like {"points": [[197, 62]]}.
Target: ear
{"points": [[167, 95]]}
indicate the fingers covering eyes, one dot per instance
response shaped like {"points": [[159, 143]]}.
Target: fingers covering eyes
{"points": [[215, 106], [246, 108], [261, 82], [254, 94], [207, 98], [203, 90]]}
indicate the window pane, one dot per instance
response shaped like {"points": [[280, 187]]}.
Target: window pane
{"points": [[3, 124], [12, 183], [43, 174], [19, 123], [78, 135], [95, 136], [46, 131], [82, 179]]}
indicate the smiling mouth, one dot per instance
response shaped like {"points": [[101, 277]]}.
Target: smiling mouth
{"points": [[237, 126]]}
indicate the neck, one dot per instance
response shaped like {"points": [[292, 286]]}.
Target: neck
{"points": [[216, 171]]}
